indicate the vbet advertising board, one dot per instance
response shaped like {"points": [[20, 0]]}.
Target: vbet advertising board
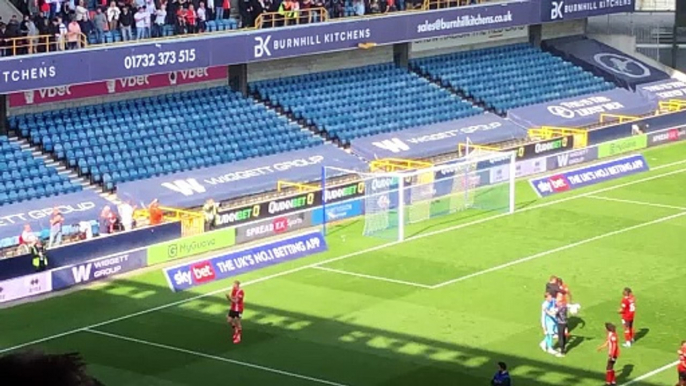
{"points": [[200, 272]]}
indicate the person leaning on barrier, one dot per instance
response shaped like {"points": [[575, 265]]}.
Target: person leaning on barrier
{"points": [[210, 210]]}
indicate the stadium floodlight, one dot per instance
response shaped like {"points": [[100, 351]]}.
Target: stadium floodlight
{"points": [[481, 181]]}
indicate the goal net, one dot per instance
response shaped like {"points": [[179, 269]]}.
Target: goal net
{"points": [[482, 181]]}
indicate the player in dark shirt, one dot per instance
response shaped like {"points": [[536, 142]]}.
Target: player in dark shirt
{"points": [[561, 316]]}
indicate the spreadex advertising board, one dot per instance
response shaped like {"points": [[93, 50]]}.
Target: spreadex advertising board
{"points": [[272, 227], [663, 137], [284, 206], [235, 263], [590, 175], [25, 286]]}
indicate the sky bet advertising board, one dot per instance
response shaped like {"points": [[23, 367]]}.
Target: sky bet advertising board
{"points": [[200, 272], [591, 175]]}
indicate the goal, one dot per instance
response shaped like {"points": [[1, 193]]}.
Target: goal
{"points": [[481, 181]]}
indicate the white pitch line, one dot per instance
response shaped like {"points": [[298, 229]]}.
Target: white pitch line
{"points": [[357, 253], [650, 374], [372, 277], [559, 249], [637, 202], [214, 357]]}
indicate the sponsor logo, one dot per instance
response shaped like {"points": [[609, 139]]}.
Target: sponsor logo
{"points": [[561, 111], [262, 46], [187, 187], [543, 147], [571, 158], [103, 268], [622, 65], [278, 225], [191, 245], [667, 136], [463, 21], [203, 272], [45, 212], [344, 192], [238, 215], [383, 202], [622, 146], [291, 204], [557, 10], [394, 145], [183, 276], [559, 184]]}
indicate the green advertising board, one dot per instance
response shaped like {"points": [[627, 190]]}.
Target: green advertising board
{"points": [[192, 245], [621, 146]]}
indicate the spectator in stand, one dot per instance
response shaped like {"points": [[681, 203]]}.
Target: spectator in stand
{"points": [[62, 34], [82, 16], [30, 30], [113, 14], [245, 10], [358, 6], [126, 213], [211, 9], [156, 214], [222, 7], [4, 40], [210, 211], [107, 220], [160, 21], [316, 15], [13, 28], [99, 25], [73, 34], [54, 6], [140, 17], [125, 23], [56, 222], [202, 17], [54, 32], [191, 19], [28, 239], [65, 11], [181, 20]]}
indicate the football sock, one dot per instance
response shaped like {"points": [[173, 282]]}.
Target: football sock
{"points": [[549, 341], [631, 331], [610, 377], [627, 335]]}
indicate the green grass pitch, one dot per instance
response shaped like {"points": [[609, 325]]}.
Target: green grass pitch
{"points": [[440, 309]]}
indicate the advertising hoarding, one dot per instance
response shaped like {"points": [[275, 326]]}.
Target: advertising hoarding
{"points": [[98, 269]]}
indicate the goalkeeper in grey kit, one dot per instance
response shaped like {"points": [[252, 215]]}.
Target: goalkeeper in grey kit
{"points": [[561, 316]]}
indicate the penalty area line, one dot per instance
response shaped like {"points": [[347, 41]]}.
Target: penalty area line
{"points": [[214, 357], [650, 374], [372, 277]]}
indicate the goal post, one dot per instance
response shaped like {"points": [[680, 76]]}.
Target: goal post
{"points": [[481, 182]]}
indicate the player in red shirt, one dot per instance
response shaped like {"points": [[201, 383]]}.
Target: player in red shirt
{"points": [[612, 344], [681, 367], [628, 310], [234, 317]]}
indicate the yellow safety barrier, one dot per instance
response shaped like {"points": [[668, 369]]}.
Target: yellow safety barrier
{"points": [[672, 105], [301, 16], [43, 43], [282, 185], [605, 118], [393, 164], [440, 4], [192, 223], [462, 147], [550, 132]]}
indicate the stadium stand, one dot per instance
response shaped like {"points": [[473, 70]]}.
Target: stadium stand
{"points": [[23, 177], [140, 138], [511, 76], [363, 101]]}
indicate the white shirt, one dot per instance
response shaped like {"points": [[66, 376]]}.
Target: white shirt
{"points": [[81, 13], [202, 15], [113, 13], [126, 210], [140, 19], [210, 4], [161, 15], [29, 237]]}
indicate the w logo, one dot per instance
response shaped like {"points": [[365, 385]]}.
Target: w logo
{"points": [[393, 145], [563, 160], [187, 187], [81, 273], [556, 11]]}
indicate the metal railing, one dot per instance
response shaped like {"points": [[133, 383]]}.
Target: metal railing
{"points": [[440, 4], [26, 45], [291, 17]]}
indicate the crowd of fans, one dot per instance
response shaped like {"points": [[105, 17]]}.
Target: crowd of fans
{"points": [[69, 24]]}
